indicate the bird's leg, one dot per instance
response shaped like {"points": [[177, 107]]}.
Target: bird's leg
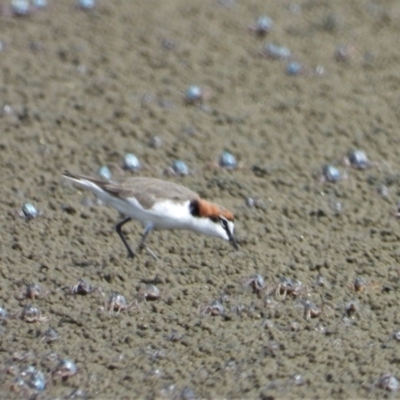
{"points": [[118, 228], [142, 245]]}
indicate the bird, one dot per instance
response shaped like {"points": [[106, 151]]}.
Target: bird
{"points": [[158, 205]]}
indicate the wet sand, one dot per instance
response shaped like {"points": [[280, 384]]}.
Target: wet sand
{"points": [[81, 89]]}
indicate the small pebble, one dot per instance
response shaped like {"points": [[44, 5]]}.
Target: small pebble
{"points": [[78, 394], [3, 313], [29, 211], [263, 25], [131, 162], [358, 159], [104, 172], [40, 3], [227, 160], [20, 8], [87, 4], [250, 202], [187, 394], [382, 190], [155, 142], [194, 94], [297, 380], [277, 52], [294, 68], [254, 202], [331, 174], [180, 168]]}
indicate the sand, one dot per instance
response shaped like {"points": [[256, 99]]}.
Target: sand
{"points": [[82, 89]]}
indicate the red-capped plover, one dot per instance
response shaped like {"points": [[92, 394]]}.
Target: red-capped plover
{"points": [[159, 204]]}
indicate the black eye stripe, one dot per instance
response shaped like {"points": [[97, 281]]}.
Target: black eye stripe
{"points": [[224, 223], [194, 208]]}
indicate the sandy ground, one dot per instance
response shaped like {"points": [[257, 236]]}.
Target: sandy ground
{"points": [[81, 89]]}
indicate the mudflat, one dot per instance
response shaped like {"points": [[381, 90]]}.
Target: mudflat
{"points": [[81, 89]]}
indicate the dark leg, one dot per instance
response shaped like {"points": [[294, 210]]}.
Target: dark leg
{"points": [[143, 239], [118, 228], [141, 246]]}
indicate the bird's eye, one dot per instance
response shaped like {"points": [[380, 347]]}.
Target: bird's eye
{"points": [[224, 223]]}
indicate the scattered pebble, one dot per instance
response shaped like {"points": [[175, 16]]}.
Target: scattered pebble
{"points": [[3, 313], [274, 51], [331, 174], [78, 394], [86, 4], [194, 94], [155, 142], [297, 380], [254, 202], [40, 3], [358, 159], [294, 68], [20, 8], [29, 211], [262, 26], [180, 168], [104, 172], [187, 394], [227, 160], [131, 162]]}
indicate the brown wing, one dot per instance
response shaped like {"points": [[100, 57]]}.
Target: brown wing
{"points": [[145, 190]]}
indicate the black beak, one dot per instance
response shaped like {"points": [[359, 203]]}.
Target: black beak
{"points": [[233, 242]]}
